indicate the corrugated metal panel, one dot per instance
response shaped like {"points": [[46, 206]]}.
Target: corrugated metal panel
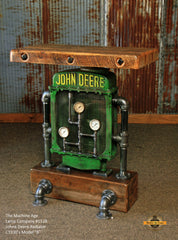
{"points": [[73, 23], [42, 21], [144, 23], [20, 84], [169, 92], [134, 23]]}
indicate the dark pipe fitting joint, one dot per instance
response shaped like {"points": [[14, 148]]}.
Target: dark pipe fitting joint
{"points": [[44, 187], [46, 130], [108, 199], [45, 97], [122, 139], [123, 175], [122, 103]]}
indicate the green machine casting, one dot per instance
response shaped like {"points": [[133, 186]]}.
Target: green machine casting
{"points": [[80, 121]]}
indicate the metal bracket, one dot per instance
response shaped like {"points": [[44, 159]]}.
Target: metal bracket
{"points": [[63, 168], [103, 174]]}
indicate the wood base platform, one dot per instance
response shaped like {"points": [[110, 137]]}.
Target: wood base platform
{"points": [[86, 188]]}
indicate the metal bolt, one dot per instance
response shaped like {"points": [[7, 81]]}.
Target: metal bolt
{"points": [[24, 56], [120, 61], [70, 59]]}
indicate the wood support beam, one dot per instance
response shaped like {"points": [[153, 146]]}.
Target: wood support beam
{"points": [[107, 57], [133, 118]]}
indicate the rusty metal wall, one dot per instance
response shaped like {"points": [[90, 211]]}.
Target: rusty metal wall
{"points": [[74, 23], [125, 23], [169, 68], [30, 22], [20, 84], [150, 24]]}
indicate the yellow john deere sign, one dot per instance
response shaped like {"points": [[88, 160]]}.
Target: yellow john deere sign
{"points": [[80, 79]]}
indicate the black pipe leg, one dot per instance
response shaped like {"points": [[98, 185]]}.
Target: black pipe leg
{"points": [[122, 138], [46, 130], [123, 174], [47, 142]]}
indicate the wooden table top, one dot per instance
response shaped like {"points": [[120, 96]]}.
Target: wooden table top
{"points": [[85, 56]]}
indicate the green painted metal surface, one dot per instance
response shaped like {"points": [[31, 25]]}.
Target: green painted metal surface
{"points": [[85, 81], [84, 148]]}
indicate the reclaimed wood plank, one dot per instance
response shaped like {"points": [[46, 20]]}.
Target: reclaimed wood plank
{"points": [[86, 188], [107, 57], [133, 118]]}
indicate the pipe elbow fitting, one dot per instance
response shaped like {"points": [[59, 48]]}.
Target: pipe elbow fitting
{"points": [[122, 103], [45, 97], [40, 190], [108, 199], [44, 187]]}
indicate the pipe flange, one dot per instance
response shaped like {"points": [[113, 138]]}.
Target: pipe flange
{"points": [[40, 203], [47, 164], [123, 176]]}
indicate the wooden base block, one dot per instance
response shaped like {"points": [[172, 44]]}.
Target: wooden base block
{"points": [[84, 187]]}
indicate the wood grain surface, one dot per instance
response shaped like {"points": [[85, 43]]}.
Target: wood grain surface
{"points": [[84, 187], [107, 57], [133, 118]]}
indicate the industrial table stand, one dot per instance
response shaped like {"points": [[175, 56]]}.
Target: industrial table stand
{"points": [[80, 124]]}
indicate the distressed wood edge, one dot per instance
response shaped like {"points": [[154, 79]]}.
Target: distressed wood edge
{"points": [[133, 118], [68, 187], [152, 118], [21, 117], [136, 60]]}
